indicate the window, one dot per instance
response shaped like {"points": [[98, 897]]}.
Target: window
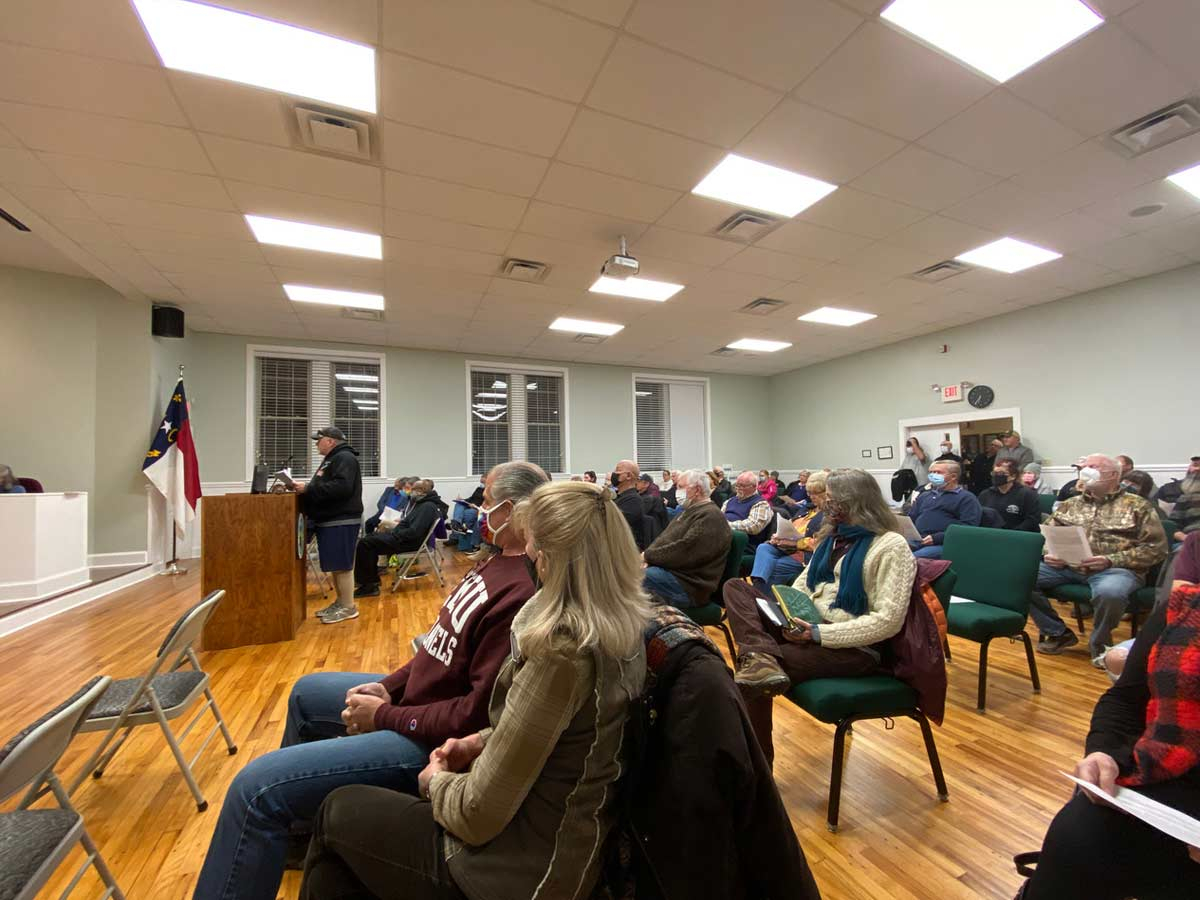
{"points": [[517, 414], [670, 423], [298, 391]]}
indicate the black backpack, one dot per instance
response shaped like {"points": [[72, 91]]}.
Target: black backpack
{"points": [[904, 482]]}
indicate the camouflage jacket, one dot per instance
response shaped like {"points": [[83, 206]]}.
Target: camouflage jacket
{"points": [[1120, 526]]}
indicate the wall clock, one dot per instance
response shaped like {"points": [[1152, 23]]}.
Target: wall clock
{"points": [[981, 396]]}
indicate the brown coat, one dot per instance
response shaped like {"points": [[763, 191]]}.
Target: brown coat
{"points": [[694, 548]]}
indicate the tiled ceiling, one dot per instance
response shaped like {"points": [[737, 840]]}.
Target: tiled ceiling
{"points": [[547, 130]]}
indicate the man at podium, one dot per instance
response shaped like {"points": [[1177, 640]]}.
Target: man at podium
{"points": [[332, 499]]}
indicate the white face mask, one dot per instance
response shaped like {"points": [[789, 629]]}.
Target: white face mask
{"points": [[1089, 474], [945, 448]]}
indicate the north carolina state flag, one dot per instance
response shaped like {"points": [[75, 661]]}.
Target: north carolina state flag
{"points": [[171, 463]]}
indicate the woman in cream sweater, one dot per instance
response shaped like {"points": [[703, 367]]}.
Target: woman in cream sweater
{"points": [[860, 579], [522, 808]]}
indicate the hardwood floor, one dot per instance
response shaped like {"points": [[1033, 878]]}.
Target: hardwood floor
{"points": [[895, 840]]}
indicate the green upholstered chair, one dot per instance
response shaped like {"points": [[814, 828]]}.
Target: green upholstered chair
{"points": [[712, 614], [1140, 603], [843, 701], [997, 569], [1046, 503]]}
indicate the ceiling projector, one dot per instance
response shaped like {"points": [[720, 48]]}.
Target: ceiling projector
{"points": [[622, 265]]}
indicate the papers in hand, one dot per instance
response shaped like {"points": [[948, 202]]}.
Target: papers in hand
{"points": [[1067, 542], [389, 516], [788, 606], [785, 531], [285, 475], [1157, 815], [907, 529]]}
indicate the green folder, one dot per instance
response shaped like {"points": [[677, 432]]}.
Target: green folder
{"points": [[796, 604]]}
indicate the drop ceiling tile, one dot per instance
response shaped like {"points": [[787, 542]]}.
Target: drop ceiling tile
{"points": [[332, 265], [314, 274], [68, 81], [101, 176], [498, 307], [451, 201], [698, 215], [519, 42], [813, 241], [353, 20], [7, 139], [757, 261], [259, 200], [894, 259], [19, 166], [294, 170], [1001, 134], [1177, 204], [1181, 237], [400, 251], [155, 239], [443, 233], [920, 178], [188, 263], [411, 277], [557, 254], [169, 216], [30, 251], [578, 225], [1169, 29], [419, 152], [610, 12], [883, 79], [105, 28], [1081, 175], [1134, 254], [620, 147], [739, 287], [858, 213], [1100, 82], [216, 289], [842, 278], [1174, 157], [942, 237], [679, 245], [83, 231], [451, 102], [53, 203], [1006, 207], [659, 88], [103, 137], [608, 194], [234, 110], [772, 42], [817, 143]]}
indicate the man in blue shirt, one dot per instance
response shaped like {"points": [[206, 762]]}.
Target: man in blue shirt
{"points": [[9, 483], [936, 509]]}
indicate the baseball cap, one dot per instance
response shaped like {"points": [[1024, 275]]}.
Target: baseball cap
{"points": [[646, 477], [328, 431]]}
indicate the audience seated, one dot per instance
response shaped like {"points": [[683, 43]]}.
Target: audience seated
{"points": [[747, 511], [465, 525], [1031, 477], [1071, 488], [767, 486], [1145, 734], [1016, 451], [1127, 539], [654, 510], [394, 496], [624, 480], [8, 482], [685, 562], [860, 579], [779, 561], [945, 504], [668, 489], [722, 489], [794, 497], [522, 808], [980, 477], [1016, 504], [589, 476], [1126, 464], [425, 507], [1183, 494], [646, 486], [386, 726]]}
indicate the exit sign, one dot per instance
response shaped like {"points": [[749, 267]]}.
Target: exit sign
{"points": [[952, 392]]}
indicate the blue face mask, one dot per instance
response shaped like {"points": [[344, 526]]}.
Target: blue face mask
{"points": [[937, 479]]}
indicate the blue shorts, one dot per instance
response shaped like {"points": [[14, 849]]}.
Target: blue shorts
{"points": [[335, 545]]}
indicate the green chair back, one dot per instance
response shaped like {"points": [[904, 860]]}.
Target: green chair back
{"points": [[733, 563], [1170, 526], [1046, 503], [994, 566]]}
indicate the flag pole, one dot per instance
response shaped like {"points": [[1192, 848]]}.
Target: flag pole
{"points": [[173, 568]]}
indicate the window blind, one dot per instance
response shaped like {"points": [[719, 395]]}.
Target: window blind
{"points": [[652, 415], [516, 415]]}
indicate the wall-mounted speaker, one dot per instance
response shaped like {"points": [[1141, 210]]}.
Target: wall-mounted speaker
{"points": [[166, 321]]}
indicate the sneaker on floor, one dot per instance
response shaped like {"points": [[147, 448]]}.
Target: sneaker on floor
{"points": [[1098, 662], [341, 614], [322, 613], [367, 590], [1057, 643], [760, 672]]}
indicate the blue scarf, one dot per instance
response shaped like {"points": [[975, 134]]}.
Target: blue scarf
{"points": [[851, 593]]}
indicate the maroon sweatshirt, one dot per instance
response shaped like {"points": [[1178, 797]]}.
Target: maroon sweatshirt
{"points": [[444, 690]]}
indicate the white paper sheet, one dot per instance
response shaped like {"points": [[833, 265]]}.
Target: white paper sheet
{"points": [[1067, 542], [786, 531], [771, 611], [285, 475], [907, 529], [954, 599], [389, 515], [1169, 821]]}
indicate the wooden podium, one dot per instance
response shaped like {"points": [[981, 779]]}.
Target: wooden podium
{"points": [[250, 548]]}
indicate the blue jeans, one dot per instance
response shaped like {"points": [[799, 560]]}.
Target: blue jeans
{"points": [[930, 551], [673, 511], [775, 566], [659, 581], [1110, 595], [281, 791], [469, 516]]}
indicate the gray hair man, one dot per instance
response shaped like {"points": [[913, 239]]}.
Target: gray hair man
{"points": [[747, 511], [684, 564]]}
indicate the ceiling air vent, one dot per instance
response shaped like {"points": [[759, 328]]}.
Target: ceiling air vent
{"points": [[590, 338], [747, 226], [333, 132], [724, 351], [940, 271], [365, 315], [763, 306], [524, 270], [13, 220], [1157, 129]]}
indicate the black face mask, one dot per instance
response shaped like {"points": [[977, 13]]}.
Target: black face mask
{"points": [[999, 480], [615, 479]]}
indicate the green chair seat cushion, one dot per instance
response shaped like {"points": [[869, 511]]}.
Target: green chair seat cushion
{"points": [[833, 699], [1072, 593], [708, 614], [979, 621]]}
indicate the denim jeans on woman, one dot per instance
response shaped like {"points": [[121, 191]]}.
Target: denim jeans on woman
{"points": [[279, 793]]}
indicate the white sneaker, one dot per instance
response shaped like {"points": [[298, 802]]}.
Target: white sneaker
{"points": [[1098, 662], [340, 614]]}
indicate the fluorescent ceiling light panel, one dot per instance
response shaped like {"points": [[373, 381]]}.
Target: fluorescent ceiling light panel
{"points": [[315, 237], [360, 390], [744, 182], [636, 288], [207, 40], [998, 37], [584, 326], [1008, 255], [346, 376], [301, 293], [1188, 179], [831, 315], [758, 345]]}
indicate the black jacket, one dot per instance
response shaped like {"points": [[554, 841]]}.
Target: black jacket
{"points": [[656, 518], [1018, 508], [630, 504], [335, 490], [418, 519], [699, 784], [722, 492], [979, 476]]}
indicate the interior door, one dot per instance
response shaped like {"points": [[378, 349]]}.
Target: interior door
{"points": [[931, 436], [689, 430]]}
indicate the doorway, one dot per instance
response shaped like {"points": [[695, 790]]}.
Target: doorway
{"points": [[969, 431]]}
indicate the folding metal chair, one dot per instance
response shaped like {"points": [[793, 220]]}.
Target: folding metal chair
{"points": [[323, 581], [405, 561], [34, 842], [173, 683]]}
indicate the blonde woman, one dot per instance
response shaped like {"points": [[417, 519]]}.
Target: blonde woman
{"points": [[522, 808]]}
